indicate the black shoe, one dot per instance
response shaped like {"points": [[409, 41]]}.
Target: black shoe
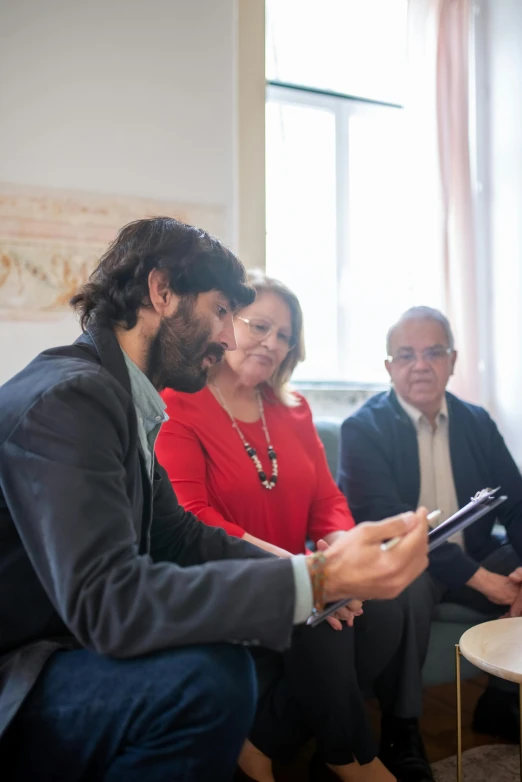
{"points": [[402, 750], [498, 714]]}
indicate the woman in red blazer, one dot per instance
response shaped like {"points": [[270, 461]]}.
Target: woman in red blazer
{"points": [[243, 454]]}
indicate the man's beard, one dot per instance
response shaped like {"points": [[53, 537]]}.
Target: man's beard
{"points": [[177, 351]]}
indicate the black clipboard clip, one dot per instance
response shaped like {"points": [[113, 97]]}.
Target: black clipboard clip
{"points": [[480, 504]]}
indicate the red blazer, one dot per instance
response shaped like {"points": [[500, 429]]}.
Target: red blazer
{"points": [[214, 478]]}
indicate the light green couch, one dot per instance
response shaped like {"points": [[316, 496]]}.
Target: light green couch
{"points": [[450, 621]]}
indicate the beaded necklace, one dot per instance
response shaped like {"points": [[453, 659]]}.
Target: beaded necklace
{"points": [[267, 483]]}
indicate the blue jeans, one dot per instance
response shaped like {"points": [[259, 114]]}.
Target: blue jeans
{"points": [[175, 716]]}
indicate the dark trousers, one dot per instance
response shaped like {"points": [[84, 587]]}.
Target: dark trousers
{"points": [[426, 593], [317, 688], [177, 716]]}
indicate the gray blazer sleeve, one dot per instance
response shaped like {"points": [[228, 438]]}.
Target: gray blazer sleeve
{"points": [[68, 494]]}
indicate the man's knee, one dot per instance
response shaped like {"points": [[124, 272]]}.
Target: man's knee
{"points": [[229, 678], [220, 692], [208, 690]]}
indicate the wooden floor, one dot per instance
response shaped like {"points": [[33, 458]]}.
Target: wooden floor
{"points": [[438, 726]]}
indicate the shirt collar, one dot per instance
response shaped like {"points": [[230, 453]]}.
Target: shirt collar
{"points": [[146, 399], [416, 415]]}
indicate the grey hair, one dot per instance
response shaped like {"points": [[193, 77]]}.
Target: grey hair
{"points": [[422, 313]]}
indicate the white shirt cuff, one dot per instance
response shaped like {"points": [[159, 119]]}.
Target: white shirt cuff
{"points": [[303, 589]]}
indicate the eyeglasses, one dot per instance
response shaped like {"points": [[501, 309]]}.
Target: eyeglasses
{"points": [[429, 355], [261, 329]]}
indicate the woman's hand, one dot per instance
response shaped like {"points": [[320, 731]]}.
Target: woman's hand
{"points": [[345, 614]]}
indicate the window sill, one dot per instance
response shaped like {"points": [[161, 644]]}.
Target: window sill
{"points": [[335, 399]]}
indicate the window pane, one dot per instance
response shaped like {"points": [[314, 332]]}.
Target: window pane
{"points": [[301, 222], [392, 261], [355, 47]]}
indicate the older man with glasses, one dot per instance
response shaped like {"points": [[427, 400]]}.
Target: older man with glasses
{"points": [[420, 445]]}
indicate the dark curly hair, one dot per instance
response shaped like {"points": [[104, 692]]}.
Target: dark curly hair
{"points": [[195, 262]]}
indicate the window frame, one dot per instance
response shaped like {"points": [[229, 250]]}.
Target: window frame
{"points": [[343, 107]]}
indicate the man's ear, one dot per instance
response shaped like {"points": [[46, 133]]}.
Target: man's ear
{"points": [[387, 364], [160, 293]]}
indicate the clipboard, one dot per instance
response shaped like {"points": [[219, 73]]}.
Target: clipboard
{"points": [[481, 503]]}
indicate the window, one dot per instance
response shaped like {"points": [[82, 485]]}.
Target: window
{"points": [[344, 218], [352, 47]]}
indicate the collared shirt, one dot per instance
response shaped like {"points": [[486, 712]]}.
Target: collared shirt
{"points": [[437, 486], [150, 410]]}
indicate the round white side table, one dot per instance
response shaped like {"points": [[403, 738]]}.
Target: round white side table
{"points": [[494, 647]]}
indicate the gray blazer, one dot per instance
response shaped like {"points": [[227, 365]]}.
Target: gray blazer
{"points": [[94, 555]]}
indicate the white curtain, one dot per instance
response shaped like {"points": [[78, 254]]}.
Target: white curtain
{"points": [[438, 104]]}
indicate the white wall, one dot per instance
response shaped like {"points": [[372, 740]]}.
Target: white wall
{"points": [[503, 194], [116, 96]]}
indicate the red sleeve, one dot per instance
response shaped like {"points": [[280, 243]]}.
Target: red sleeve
{"points": [[179, 451], [329, 511]]}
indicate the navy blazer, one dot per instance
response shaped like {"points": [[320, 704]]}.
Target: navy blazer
{"points": [[379, 474]]}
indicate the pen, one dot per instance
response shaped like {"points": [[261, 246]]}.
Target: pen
{"points": [[387, 545]]}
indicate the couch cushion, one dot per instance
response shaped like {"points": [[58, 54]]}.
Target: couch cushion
{"points": [[452, 612], [328, 430]]}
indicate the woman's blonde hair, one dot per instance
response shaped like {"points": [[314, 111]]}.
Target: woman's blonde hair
{"points": [[280, 380]]}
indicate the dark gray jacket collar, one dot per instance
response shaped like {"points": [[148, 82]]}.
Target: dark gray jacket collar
{"points": [[102, 341]]}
